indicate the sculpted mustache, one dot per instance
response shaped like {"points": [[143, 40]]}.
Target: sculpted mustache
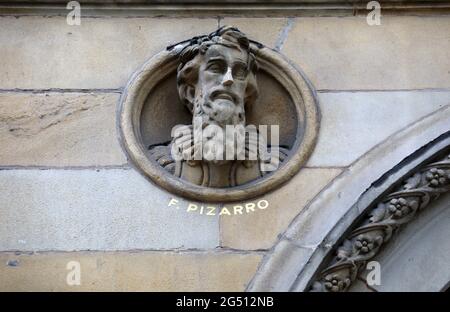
{"points": [[217, 93], [208, 120]]}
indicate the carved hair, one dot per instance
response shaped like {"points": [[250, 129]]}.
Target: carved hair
{"points": [[190, 60]]}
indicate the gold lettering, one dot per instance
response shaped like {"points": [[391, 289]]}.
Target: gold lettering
{"points": [[211, 211], [237, 209], [191, 207], [250, 207], [224, 211], [263, 204]]}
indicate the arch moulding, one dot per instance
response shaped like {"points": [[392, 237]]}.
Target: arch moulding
{"points": [[352, 220]]}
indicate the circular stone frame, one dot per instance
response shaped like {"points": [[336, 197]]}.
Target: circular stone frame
{"points": [[165, 63]]}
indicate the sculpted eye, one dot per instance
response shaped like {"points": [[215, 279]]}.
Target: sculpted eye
{"points": [[215, 67], [240, 72]]}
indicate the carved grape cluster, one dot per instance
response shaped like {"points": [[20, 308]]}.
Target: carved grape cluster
{"points": [[437, 177], [336, 283], [400, 207], [364, 243]]}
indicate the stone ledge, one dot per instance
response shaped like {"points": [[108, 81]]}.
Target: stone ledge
{"points": [[268, 2], [191, 8]]}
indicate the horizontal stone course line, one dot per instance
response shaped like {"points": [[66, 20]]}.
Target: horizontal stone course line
{"points": [[324, 167], [125, 167], [197, 2], [167, 10], [445, 13], [251, 14], [133, 251], [383, 90], [120, 90], [58, 90]]}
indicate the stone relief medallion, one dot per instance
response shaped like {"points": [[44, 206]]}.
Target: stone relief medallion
{"points": [[218, 118]]}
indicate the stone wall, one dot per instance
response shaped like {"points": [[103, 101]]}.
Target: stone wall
{"points": [[68, 192]]}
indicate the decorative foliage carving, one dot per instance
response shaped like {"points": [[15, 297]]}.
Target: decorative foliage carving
{"points": [[376, 229]]}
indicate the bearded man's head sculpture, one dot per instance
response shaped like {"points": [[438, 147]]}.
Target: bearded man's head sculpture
{"points": [[216, 81], [216, 77]]}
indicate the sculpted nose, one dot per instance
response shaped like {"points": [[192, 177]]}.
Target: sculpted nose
{"points": [[228, 78]]}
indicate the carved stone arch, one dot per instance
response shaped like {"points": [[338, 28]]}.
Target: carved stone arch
{"points": [[319, 249], [401, 204], [416, 258]]}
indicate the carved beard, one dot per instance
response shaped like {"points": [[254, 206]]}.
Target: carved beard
{"points": [[192, 147], [213, 143], [218, 112]]}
